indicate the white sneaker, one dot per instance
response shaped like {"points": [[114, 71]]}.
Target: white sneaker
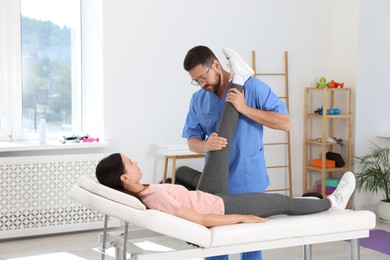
{"points": [[237, 64], [344, 190]]}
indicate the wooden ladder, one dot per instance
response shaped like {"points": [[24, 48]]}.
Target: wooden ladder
{"points": [[287, 143]]}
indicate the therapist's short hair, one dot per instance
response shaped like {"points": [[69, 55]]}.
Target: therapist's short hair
{"points": [[198, 55]]}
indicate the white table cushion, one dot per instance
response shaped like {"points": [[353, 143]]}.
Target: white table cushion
{"points": [[123, 198], [114, 203], [283, 226], [153, 220]]}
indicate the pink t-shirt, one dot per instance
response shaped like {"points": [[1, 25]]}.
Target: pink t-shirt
{"points": [[168, 198]]}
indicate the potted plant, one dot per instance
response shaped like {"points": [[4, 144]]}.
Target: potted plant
{"points": [[374, 176]]}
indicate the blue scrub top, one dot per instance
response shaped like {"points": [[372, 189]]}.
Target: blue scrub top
{"points": [[248, 171]]}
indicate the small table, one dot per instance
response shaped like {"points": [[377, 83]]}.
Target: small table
{"points": [[176, 155]]}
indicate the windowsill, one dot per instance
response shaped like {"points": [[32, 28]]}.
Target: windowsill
{"points": [[51, 145]]}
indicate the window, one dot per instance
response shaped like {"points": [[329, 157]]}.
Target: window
{"points": [[48, 66]]}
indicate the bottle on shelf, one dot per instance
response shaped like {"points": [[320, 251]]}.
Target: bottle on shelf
{"points": [[43, 131]]}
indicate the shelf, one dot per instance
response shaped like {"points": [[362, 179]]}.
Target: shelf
{"points": [[338, 169], [315, 142], [317, 129], [328, 116], [311, 190], [329, 89]]}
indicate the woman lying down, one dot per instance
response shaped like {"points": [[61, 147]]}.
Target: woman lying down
{"points": [[211, 204], [213, 208]]}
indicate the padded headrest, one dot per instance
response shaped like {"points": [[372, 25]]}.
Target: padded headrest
{"points": [[99, 189]]}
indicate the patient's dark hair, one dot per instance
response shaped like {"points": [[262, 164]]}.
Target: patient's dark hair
{"points": [[109, 171], [198, 55]]}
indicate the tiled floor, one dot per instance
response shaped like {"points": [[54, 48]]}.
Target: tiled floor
{"points": [[79, 246]]}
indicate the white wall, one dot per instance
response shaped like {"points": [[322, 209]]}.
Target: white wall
{"points": [[147, 91], [372, 96]]}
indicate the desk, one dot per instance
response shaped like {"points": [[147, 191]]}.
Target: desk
{"points": [[176, 155]]}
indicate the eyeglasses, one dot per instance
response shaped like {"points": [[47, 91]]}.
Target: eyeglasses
{"points": [[202, 78]]}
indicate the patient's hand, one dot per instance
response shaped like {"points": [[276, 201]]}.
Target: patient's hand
{"points": [[253, 219]]}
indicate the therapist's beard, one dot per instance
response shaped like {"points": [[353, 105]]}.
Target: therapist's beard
{"points": [[214, 87]]}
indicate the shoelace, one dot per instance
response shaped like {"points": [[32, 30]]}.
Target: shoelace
{"points": [[229, 69], [228, 65], [337, 192]]}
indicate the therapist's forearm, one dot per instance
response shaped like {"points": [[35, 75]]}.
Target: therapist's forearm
{"points": [[197, 145], [268, 118]]}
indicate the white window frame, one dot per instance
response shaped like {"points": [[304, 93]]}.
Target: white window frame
{"points": [[90, 97]]}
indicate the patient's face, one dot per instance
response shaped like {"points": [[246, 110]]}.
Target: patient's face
{"points": [[132, 171]]}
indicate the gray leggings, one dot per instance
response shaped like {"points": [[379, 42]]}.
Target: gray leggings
{"points": [[215, 176]]}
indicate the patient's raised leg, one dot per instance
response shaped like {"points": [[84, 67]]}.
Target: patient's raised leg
{"points": [[215, 176]]}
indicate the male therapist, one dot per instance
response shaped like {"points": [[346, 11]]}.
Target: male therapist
{"points": [[258, 107]]}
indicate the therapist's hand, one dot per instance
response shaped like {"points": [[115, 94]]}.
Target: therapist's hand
{"points": [[237, 98], [215, 143]]}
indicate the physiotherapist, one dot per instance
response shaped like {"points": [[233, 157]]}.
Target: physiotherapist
{"points": [[258, 107]]}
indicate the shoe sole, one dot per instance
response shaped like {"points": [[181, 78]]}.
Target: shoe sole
{"points": [[239, 58]]}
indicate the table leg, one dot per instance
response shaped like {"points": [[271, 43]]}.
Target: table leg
{"points": [[307, 252], [173, 169], [355, 249], [165, 170]]}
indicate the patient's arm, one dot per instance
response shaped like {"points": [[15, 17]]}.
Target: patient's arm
{"points": [[211, 220]]}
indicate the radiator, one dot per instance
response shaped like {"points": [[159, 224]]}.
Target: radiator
{"points": [[34, 195]]}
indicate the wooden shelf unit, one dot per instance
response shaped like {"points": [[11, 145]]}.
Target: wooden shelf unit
{"points": [[328, 125]]}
